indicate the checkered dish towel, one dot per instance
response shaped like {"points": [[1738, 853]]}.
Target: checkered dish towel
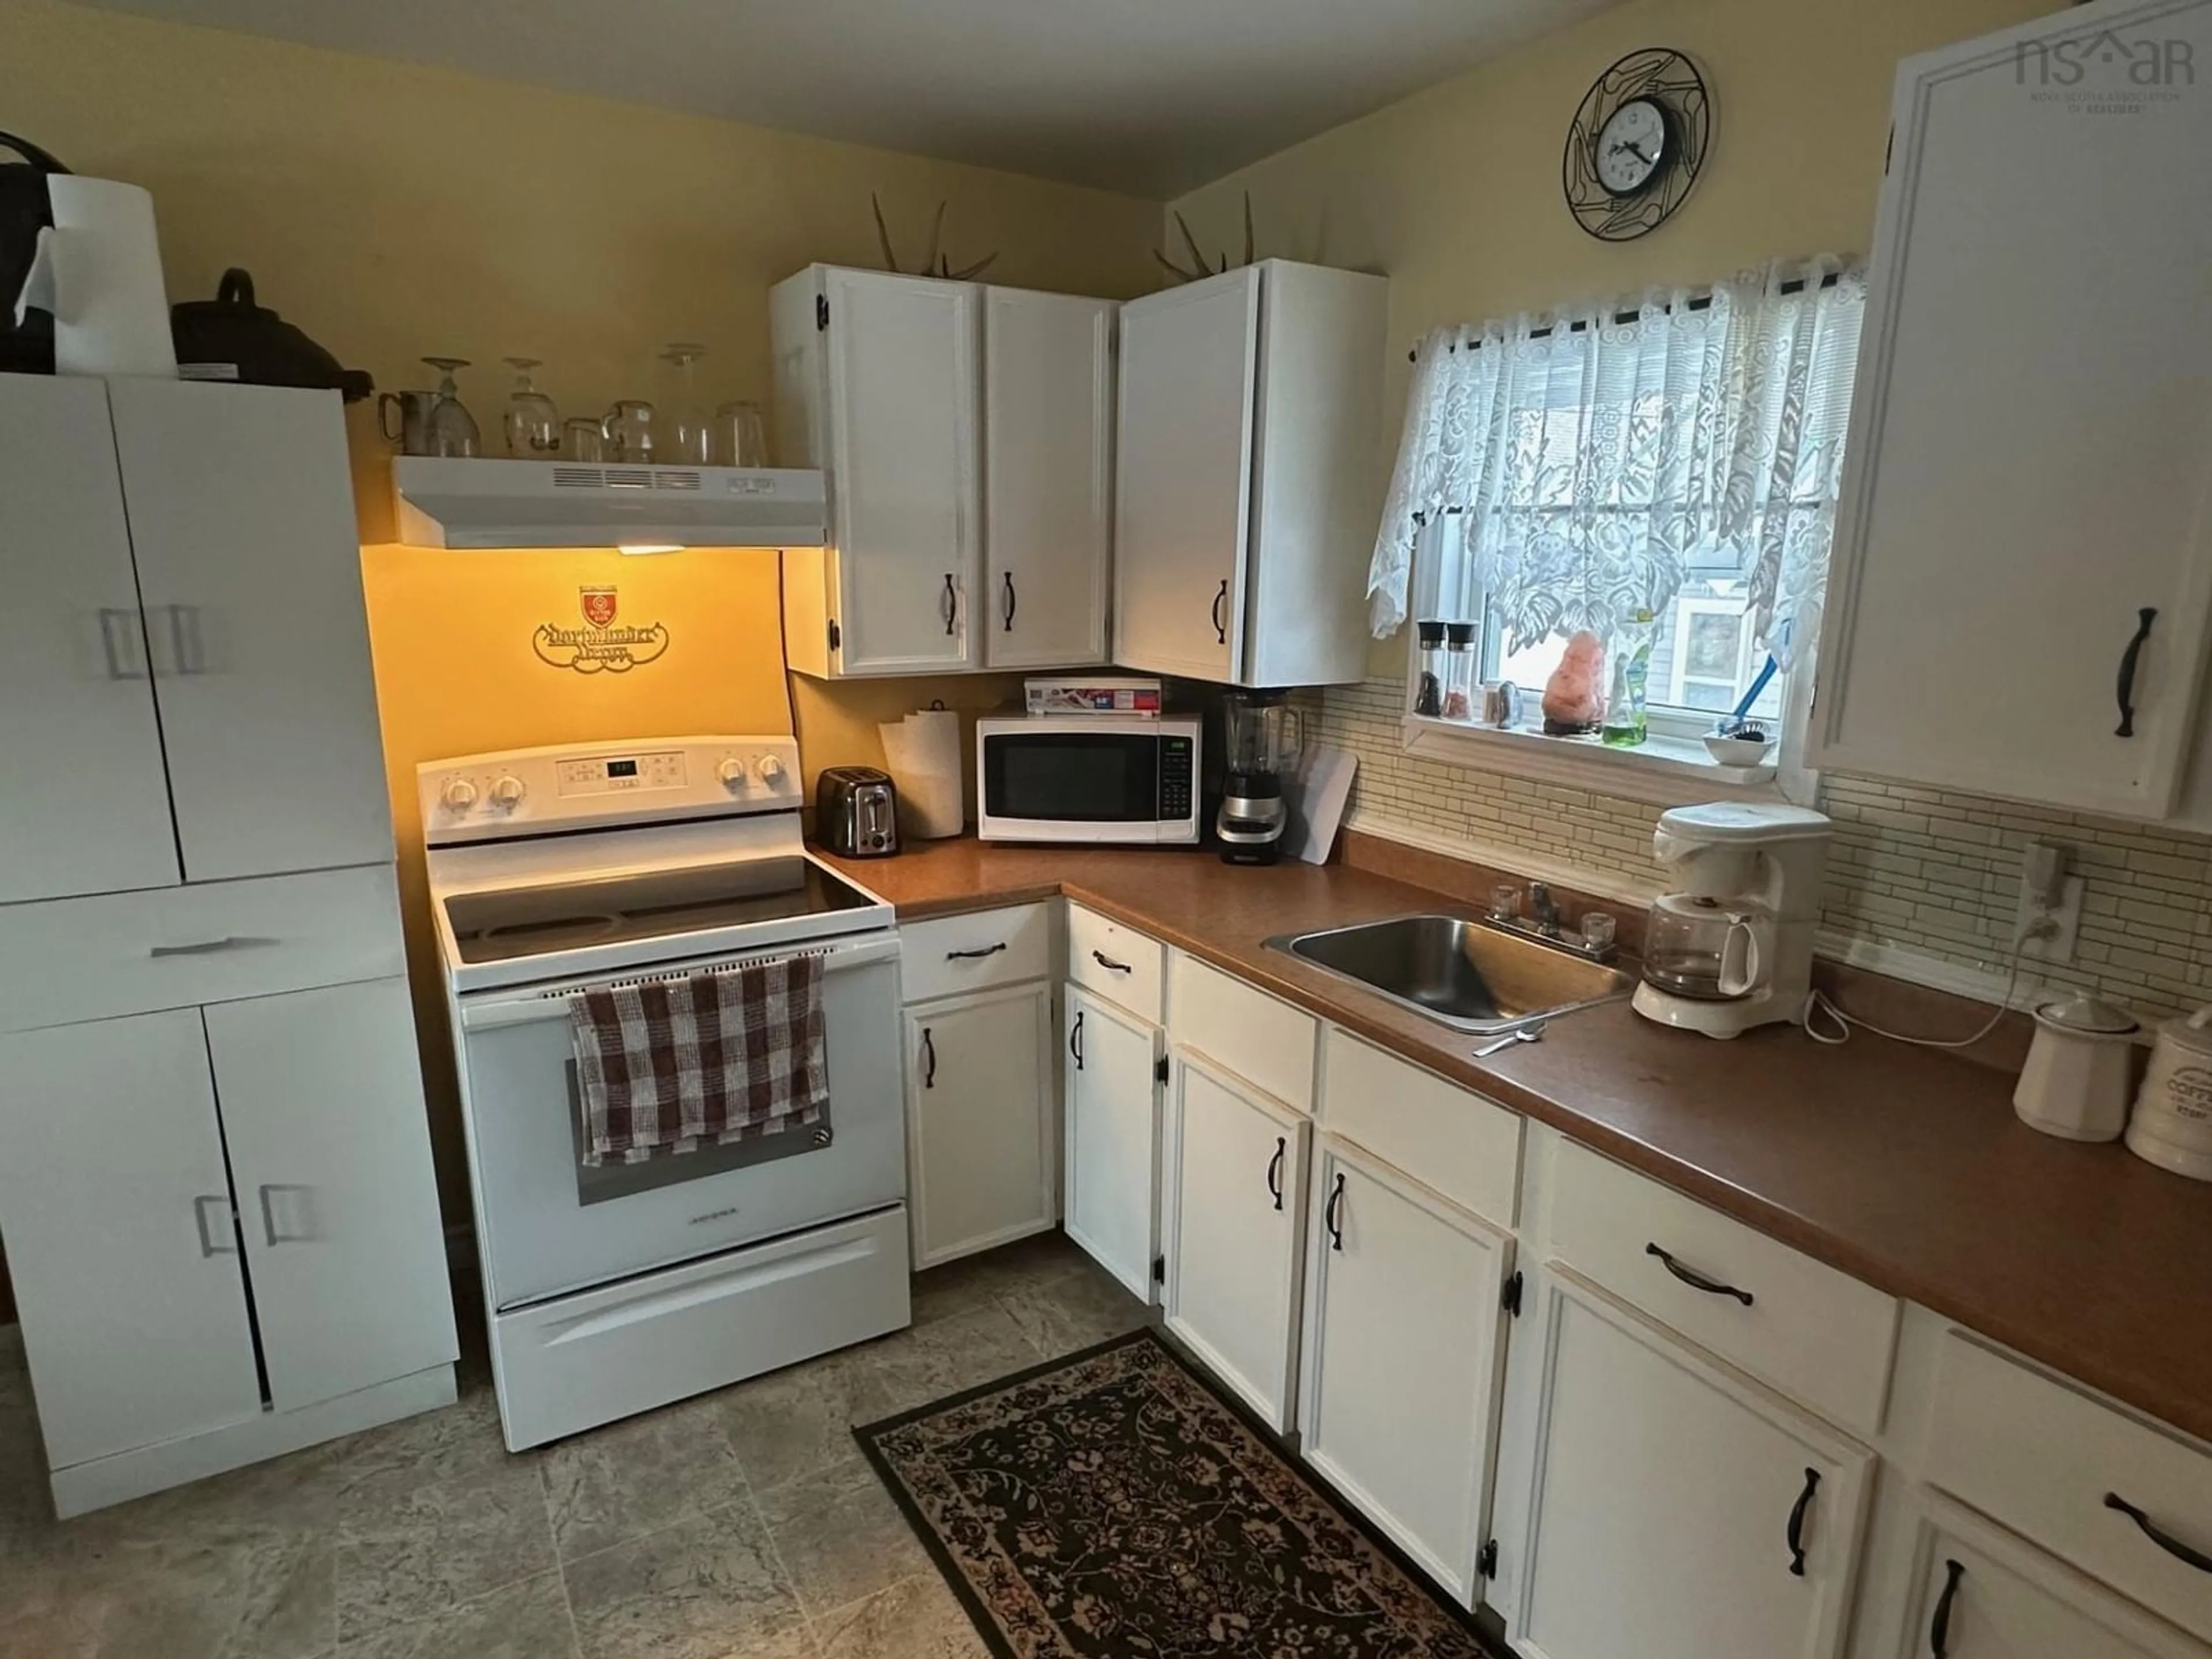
{"points": [[672, 1066]]}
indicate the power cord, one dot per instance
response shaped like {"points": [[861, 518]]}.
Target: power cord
{"points": [[1820, 1003]]}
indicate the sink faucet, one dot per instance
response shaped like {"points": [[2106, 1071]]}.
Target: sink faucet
{"points": [[1545, 909]]}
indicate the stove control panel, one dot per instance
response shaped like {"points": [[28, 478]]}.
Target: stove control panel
{"points": [[570, 786]]}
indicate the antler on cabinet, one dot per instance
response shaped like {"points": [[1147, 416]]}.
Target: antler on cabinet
{"points": [[1199, 267], [934, 263]]}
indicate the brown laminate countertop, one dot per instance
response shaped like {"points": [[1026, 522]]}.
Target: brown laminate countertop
{"points": [[1903, 1168]]}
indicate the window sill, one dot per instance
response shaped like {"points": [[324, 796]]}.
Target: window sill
{"points": [[1663, 771]]}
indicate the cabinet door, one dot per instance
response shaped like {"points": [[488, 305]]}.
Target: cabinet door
{"points": [[249, 563], [902, 461], [1236, 1189], [116, 1211], [86, 808], [1113, 1137], [1189, 365], [1398, 1379], [1670, 1498], [322, 1106], [978, 1120], [1979, 1592], [2031, 442], [1048, 477]]}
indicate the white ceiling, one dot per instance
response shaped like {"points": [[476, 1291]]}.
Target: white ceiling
{"points": [[1152, 97]]}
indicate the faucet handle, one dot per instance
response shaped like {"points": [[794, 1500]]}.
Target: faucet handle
{"points": [[1543, 907]]}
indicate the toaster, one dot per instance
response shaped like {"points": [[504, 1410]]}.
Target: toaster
{"points": [[856, 811]]}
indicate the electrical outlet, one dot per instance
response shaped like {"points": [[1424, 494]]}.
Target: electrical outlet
{"points": [[2047, 931]]}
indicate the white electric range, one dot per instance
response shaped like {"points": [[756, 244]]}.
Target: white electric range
{"points": [[614, 1289]]}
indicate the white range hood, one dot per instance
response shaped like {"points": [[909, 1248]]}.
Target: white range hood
{"points": [[486, 502]]}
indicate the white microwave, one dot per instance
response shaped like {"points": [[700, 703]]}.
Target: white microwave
{"points": [[1108, 779]]}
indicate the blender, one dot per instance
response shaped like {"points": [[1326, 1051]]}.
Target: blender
{"points": [[1262, 736]]}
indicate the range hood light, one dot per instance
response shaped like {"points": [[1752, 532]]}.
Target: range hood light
{"points": [[640, 549]]}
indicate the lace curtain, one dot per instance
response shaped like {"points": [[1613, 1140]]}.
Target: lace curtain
{"points": [[1600, 454]]}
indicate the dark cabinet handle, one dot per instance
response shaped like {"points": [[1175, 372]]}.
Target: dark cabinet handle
{"points": [[2128, 659], [1939, 1628], [928, 1060], [1328, 1218], [1797, 1523], [1695, 1280], [2166, 1540], [1109, 964], [1075, 1040], [1221, 614], [952, 606], [1007, 626], [1275, 1171], [973, 956]]}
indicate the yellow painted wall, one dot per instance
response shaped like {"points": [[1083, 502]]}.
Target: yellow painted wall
{"points": [[1453, 193]]}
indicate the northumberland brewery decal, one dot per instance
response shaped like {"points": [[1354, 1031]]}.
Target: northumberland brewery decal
{"points": [[601, 646]]}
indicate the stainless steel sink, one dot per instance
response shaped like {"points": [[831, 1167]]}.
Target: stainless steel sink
{"points": [[1470, 975]]}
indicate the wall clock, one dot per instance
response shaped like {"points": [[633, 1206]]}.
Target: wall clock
{"points": [[1636, 145]]}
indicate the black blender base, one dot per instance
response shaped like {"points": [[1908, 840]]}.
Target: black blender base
{"points": [[1269, 852]]}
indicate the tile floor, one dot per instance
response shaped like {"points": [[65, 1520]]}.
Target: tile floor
{"points": [[740, 1525]]}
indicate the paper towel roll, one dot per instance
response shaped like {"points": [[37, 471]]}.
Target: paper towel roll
{"points": [[97, 270], [923, 754]]}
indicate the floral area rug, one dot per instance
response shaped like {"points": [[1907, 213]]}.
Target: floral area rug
{"points": [[1111, 1505]]}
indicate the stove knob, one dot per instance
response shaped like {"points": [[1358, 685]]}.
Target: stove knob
{"points": [[732, 774], [508, 792], [771, 768], [458, 794]]}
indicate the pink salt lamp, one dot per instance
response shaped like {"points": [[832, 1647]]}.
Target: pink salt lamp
{"points": [[1574, 697]]}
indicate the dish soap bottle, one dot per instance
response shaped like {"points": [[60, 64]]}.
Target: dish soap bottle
{"points": [[1627, 722]]}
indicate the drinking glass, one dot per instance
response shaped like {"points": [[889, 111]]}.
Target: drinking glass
{"points": [[452, 429], [741, 435], [690, 438], [533, 425], [633, 432], [586, 439]]}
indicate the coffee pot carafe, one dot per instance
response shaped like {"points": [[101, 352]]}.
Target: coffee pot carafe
{"points": [[1710, 948]]}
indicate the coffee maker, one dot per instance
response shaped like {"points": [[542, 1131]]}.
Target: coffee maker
{"points": [[1262, 736], [1732, 947]]}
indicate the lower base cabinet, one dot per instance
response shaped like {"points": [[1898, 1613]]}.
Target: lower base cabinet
{"points": [[978, 1120], [1398, 1387], [1234, 1189], [1678, 1510], [1112, 1130]]}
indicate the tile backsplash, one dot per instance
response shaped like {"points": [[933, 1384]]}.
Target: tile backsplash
{"points": [[1921, 882]]}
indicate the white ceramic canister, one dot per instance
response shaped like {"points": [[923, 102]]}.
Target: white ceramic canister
{"points": [[2081, 1071], [2173, 1124]]}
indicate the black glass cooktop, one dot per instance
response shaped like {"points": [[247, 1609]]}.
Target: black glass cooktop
{"points": [[503, 924]]}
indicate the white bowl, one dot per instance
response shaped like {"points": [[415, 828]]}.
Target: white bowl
{"points": [[1738, 751]]}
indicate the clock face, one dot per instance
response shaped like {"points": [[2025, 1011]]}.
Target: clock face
{"points": [[1631, 147]]}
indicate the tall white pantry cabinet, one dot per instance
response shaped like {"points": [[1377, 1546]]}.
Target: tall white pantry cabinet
{"points": [[217, 1202]]}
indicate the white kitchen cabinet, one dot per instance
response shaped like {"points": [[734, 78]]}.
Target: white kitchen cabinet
{"points": [[2027, 494], [1112, 1130], [978, 1120], [1399, 1370], [115, 1208], [1245, 497], [85, 808], [1674, 1509], [1979, 1592], [330, 1153], [1047, 477], [1234, 1189]]}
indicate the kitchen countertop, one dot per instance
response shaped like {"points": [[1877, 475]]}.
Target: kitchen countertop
{"points": [[1903, 1168]]}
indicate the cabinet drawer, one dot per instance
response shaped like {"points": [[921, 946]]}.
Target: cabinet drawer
{"points": [[1817, 1334], [1261, 1040], [949, 955], [176, 947], [1452, 1142], [1119, 963], [2043, 1459]]}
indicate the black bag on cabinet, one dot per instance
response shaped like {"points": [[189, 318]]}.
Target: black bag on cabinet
{"points": [[24, 211]]}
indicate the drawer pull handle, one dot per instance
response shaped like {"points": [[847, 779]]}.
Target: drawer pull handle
{"points": [[1938, 1629], [2166, 1540], [209, 946], [2129, 659], [208, 1245], [974, 956], [1329, 1217], [1797, 1523], [1075, 1040], [1110, 965], [928, 1060], [1275, 1171], [1694, 1280]]}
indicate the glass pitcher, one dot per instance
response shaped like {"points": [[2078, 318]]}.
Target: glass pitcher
{"points": [[1710, 950]]}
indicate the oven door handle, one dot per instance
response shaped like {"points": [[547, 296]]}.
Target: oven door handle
{"points": [[497, 1011]]}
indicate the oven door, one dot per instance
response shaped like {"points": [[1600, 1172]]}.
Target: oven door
{"points": [[1043, 781], [549, 1223]]}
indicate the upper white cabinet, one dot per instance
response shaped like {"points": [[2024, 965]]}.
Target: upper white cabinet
{"points": [[967, 433], [1048, 477], [2024, 548], [1245, 495]]}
